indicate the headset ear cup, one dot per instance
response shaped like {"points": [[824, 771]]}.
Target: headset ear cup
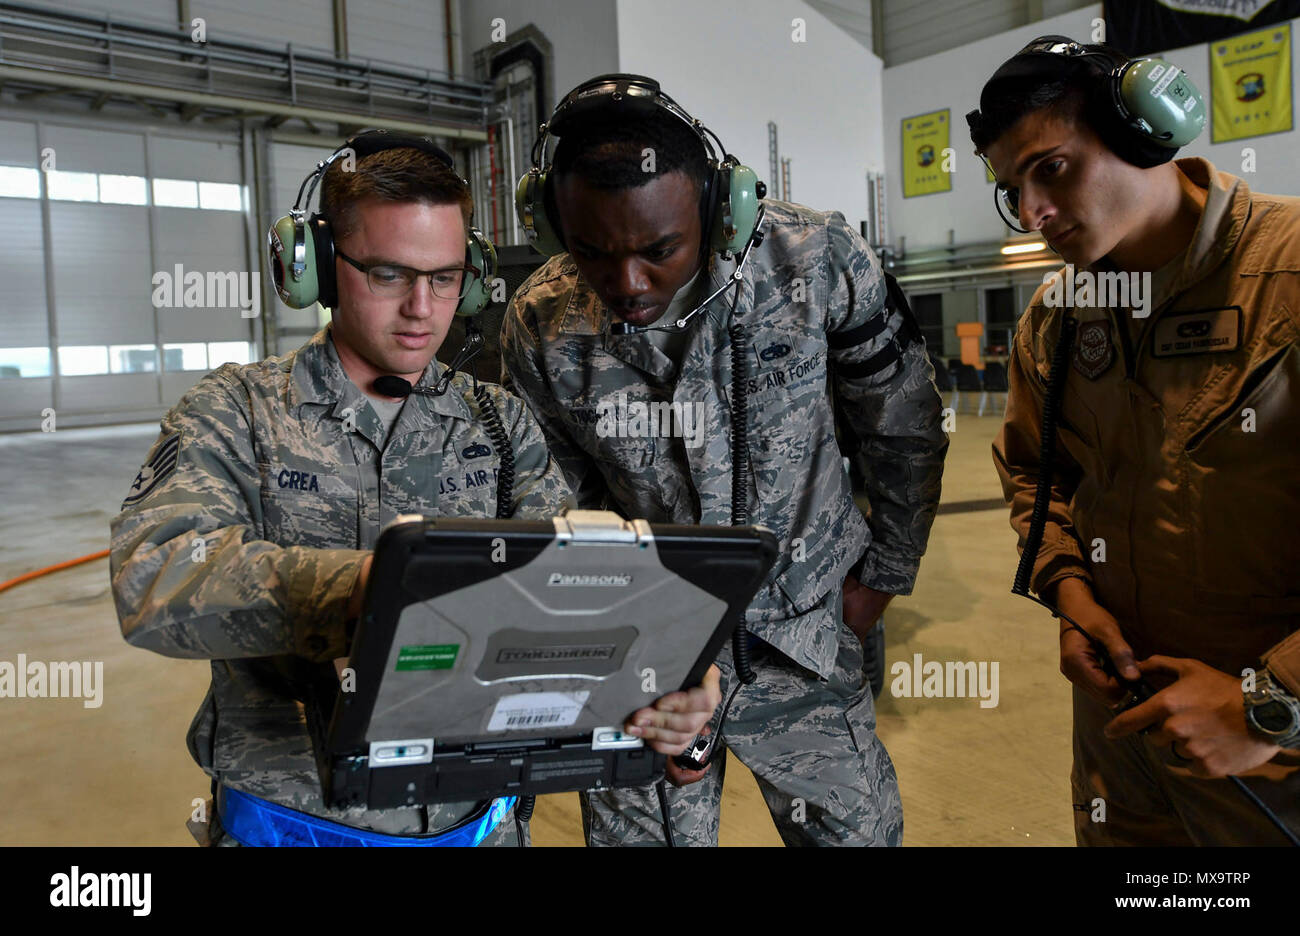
{"points": [[1124, 141], [709, 208], [1141, 128], [736, 214], [533, 202], [295, 292], [481, 254], [322, 240], [1163, 105], [550, 232]]}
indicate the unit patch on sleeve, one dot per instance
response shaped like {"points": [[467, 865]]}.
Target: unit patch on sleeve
{"points": [[160, 464], [1198, 332]]}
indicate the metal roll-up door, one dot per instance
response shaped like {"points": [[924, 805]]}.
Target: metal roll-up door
{"points": [[101, 273], [26, 387], [208, 241], [410, 33], [100, 229], [306, 23]]}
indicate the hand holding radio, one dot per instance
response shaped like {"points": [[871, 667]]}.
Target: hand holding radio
{"points": [[674, 720], [699, 751], [1201, 714]]}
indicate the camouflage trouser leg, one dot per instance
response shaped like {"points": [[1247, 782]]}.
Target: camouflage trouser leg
{"points": [[811, 745]]}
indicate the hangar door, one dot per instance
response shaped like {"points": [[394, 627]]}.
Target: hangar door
{"points": [[127, 267]]}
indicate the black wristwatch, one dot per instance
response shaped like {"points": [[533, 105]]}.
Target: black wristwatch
{"points": [[1273, 712]]}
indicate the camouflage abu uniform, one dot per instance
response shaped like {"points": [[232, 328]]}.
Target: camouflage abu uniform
{"points": [[813, 296], [259, 461]]}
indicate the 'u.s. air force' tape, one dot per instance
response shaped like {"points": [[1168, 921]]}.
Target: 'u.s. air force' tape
{"points": [[158, 467]]}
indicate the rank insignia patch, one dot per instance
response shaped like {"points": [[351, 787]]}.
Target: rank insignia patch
{"points": [[158, 467]]}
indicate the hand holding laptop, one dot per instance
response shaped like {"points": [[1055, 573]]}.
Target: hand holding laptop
{"points": [[674, 720]]}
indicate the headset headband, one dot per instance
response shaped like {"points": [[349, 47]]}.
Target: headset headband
{"points": [[633, 93], [367, 143], [728, 199], [1062, 45]]}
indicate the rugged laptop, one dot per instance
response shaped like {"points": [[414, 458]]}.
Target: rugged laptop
{"points": [[502, 657]]}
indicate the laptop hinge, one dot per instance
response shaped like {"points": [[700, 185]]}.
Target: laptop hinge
{"points": [[603, 527]]}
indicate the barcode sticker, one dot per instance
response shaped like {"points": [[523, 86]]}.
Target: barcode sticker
{"points": [[537, 710]]}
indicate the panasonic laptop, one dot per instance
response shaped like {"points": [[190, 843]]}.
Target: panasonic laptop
{"points": [[502, 657]]}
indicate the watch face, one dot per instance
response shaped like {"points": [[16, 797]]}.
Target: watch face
{"points": [[1273, 717]]}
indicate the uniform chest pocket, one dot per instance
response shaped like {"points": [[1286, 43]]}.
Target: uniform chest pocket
{"points": [[307, 504], [1265, 398], [630, 430]]}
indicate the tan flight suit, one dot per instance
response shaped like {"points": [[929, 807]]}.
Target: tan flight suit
{"points": [[1179, 453]]}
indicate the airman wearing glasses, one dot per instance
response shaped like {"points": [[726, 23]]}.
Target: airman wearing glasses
{"points": [[286, 471]]}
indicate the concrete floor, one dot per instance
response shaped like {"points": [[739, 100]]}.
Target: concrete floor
{"points": [[120, 774]]}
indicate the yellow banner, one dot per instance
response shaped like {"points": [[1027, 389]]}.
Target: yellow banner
{"points": [[926, 168], [1250, 76]]}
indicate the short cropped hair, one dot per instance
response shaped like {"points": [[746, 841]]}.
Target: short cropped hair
{"points": [[1067, 98], [404, 174], [611, 155]]}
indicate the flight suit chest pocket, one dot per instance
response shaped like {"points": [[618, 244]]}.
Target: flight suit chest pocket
{"points": [[309, 504]]}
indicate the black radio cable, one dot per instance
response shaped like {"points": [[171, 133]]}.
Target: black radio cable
{"points": [[740, 656], [505, 498], [505, 451], [739, 474], [1046, 457], [1140, 689]]}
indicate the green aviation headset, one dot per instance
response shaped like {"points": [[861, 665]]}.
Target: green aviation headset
{"points": [[730, 200], [1143, 109], [307, 274]]}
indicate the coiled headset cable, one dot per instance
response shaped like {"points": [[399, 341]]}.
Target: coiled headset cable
{"points": [[740, 655]]}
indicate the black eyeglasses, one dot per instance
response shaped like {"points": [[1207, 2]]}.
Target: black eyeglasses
{"points": [[393, 281]]}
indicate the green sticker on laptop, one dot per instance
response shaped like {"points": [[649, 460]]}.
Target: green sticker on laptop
{"points": [[427, 656]]}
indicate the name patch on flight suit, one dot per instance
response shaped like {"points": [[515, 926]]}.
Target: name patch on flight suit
{"points": [[1199, 332]]}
